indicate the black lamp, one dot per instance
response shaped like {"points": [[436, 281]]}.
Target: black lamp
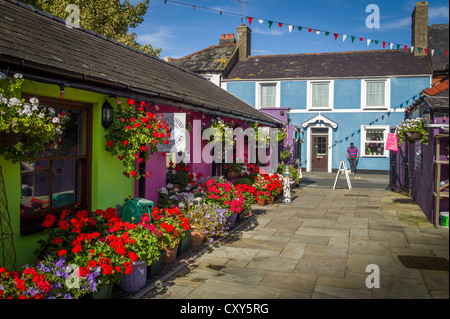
{"points": [[107, 115]]}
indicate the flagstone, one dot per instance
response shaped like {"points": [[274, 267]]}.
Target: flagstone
{"points": [[272, 263], [289, 281], [321, 266]]}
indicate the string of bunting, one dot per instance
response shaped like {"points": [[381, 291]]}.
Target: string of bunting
{"points": [[336, 35]]}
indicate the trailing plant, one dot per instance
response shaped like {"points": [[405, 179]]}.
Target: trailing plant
{"points": [[410, 126], [135, 135], [30, 127]]}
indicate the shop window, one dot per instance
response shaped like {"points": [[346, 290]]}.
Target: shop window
{"points": [[373, 141]]}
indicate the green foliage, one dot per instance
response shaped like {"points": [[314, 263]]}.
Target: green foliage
{"points": [[111, 18], [243, 180], [410, 126], [37, 126]]}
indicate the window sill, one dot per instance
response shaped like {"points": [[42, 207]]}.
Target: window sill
{"points": [[372, 108], [328, 109]]}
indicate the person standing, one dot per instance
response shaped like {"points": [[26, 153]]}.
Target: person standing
{"points": [[352, 155]]}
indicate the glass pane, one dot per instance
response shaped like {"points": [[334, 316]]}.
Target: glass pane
{"points": [[320, 94], [320, 145], [268, 93], [35, 186], [374, 149], [65, 182], [72, 139], [375, 93], [375, 135]]}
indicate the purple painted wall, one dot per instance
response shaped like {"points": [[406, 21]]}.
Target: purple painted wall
{"points": [[423, 175]]}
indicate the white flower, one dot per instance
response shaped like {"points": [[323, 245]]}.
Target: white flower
{"points": [[34, 101], [41, 115], [14, 102], [18, 76], [55, 120], [2, 76]]}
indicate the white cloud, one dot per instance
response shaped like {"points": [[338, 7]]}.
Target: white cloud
{"points": [[268, 31], [439, 12], [162, 38]]}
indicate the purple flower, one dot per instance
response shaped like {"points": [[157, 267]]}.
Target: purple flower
{"points": [[67, 296]]}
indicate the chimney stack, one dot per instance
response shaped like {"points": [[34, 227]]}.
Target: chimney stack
{"points": [[244, 40], [419, 27], [227, 39]]}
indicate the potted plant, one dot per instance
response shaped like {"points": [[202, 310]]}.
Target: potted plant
{"points": [[26, 128], [233, 170], [412, 130], [180, 178], [134, 135], [171, 226], [208, 220]]}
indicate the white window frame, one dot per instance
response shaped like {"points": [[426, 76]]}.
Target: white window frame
{"points": [[387, 94], [362, 149], [330, 95], [258, 93]]}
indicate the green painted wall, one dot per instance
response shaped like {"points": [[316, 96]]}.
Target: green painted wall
{"points": [[109, 185]]}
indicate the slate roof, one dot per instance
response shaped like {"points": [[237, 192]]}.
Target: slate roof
{"points": [[331, 65], [438, 40], [34, 39], [211, 59]]}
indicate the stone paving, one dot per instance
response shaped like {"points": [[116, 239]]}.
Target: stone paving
{"points": [[319, 247]]}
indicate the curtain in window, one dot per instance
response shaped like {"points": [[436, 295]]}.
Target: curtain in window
{"points": [[375, 93], [268, 94], [320, 96], [375, 142]]}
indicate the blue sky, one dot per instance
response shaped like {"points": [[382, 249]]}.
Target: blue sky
{"points": [[181, 30]]}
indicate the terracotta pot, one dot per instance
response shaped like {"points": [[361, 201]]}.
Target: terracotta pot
{"points": [[233, 174], [197, 238], [261, 202], [171, 254]]}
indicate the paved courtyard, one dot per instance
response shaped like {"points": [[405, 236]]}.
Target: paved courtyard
{"points": [[319, 247]]}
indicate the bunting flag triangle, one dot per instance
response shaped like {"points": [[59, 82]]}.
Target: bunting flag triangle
{"points": [[419, 49], [280, 24], [335, 36], [412, 49], [446, 53], [432, 52], [360, 39], [353, 38], [384, 45], [250, 19], [309, 29], [290, 28], [270, 24], [376, 41], [300, 28], [327, 33], [426, 51], [344, 36], [391, 45], [318, 31], [398, 46], [406, 47], [260, 20], [368, 42], [439, 52]]}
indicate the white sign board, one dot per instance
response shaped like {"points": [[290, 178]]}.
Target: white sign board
{"points": [[177, 127], [343, 169]]}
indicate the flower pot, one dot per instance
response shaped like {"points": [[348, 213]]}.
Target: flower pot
{"points": [[412, 137], [197, 237], [233, 174], [261, 202], [171, 254], [232, 220], [184, 243], [103, 292], [156, 267], [136, 279], [9, 138]]}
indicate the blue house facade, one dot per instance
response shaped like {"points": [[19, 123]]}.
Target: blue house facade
{"points": [[334, 99]]}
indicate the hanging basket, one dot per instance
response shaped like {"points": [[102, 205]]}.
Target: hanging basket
{"points": [[412, 137], [9, 138]]}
